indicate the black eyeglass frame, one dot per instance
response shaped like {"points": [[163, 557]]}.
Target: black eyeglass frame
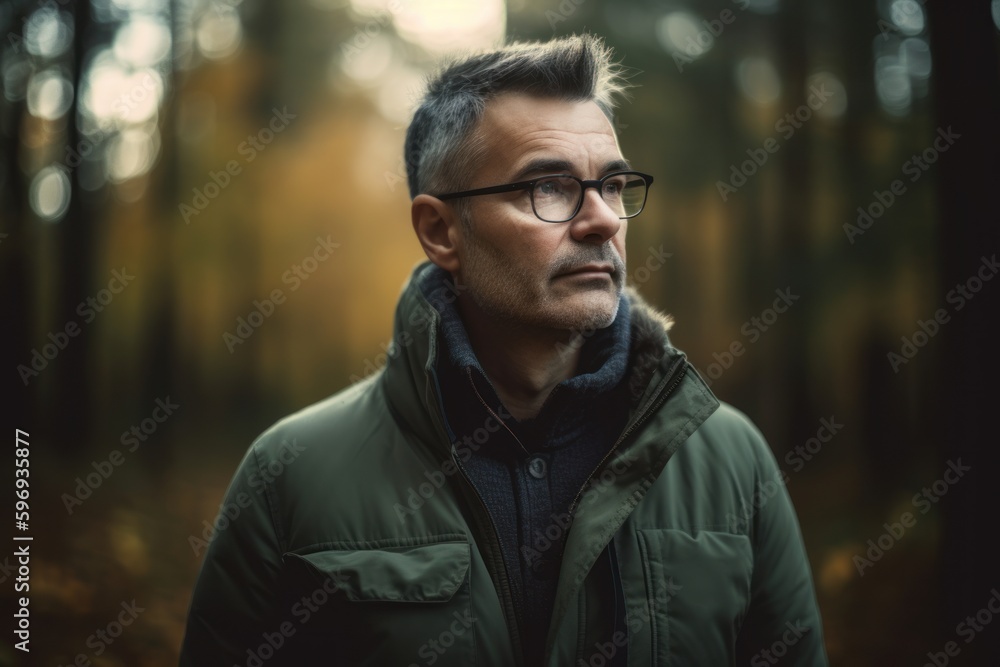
{"points": [[530, 187]]}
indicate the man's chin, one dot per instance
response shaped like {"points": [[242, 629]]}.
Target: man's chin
{"points": [[587, 311]]}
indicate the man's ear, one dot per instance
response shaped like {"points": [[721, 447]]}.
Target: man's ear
{"points": [[438, 230]]}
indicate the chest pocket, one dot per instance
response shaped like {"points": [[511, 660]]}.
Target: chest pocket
{"points": [[698, 587], [391, 603]]}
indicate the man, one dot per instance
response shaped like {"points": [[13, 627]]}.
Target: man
{"points": [[536, 477]]}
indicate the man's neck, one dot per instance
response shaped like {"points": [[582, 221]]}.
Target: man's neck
{"points": [[524, 364]]}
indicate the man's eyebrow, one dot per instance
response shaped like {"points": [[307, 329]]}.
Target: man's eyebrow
{"points": [[617, 165], [557, 166], [542, 166]]}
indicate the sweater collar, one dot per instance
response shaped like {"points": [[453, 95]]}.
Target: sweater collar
{"points": [[601, 370]]}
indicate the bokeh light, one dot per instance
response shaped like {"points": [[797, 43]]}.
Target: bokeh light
{"points": [[758, 80], [908, 16], [915, 56], [367, 65], [131, 153], [16, 75], [49, 94], [892, 85], [49, 194], [48, 32], [681, 32], [142, 42], [437, 26], [219, 33], [830, 84]]}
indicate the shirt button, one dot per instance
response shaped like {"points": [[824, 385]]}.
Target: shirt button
{"points": [[537, 467]]}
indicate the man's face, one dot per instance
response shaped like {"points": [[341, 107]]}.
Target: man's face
{"points": [[519, 269]]}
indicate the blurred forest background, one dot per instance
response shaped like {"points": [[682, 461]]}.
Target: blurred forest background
{"points": [[177, 161]]}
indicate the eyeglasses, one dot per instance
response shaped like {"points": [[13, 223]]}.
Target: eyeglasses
{"points": [[559, 198]]}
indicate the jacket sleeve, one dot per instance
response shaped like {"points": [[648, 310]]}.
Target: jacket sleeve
{"points": [[783, 620], [236, 599]]}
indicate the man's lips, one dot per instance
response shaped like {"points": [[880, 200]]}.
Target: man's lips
{"points": [[589, 270]]}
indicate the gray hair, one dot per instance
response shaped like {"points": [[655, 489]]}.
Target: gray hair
{"points": [[440, 148]]}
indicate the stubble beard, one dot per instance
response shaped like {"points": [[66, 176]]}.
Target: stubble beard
{"points": [[516, 297]]}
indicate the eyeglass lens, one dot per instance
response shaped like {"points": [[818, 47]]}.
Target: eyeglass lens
{"points": [[556, 199]]}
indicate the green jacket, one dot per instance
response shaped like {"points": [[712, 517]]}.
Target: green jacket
{"points": [[350, 534]]}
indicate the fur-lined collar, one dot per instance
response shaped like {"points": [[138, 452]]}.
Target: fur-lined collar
{"points": [[650, 341]]}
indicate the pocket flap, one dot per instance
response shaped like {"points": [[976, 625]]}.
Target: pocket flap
{"points": [[416, 573]]}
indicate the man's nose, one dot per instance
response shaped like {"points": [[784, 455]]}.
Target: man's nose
{"points": [[595, 222]]}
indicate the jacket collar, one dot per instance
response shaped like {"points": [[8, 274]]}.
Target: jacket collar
{"points": [[410, 378]]}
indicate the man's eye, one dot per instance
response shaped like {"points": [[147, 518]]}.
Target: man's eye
{"points": [[547, 188], [614, 186]]}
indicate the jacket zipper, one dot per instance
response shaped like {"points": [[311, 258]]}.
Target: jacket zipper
{"points": [[508, 600], [494, 414], [506, 597], [676, 373]]}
